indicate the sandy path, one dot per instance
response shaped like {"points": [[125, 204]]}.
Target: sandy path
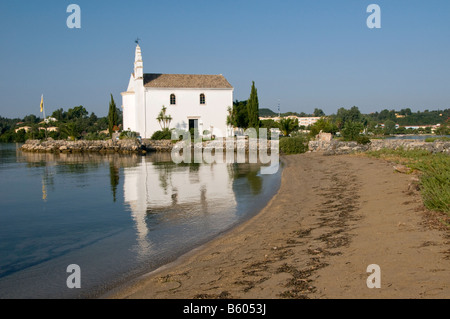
{"points": [[332, 217]]}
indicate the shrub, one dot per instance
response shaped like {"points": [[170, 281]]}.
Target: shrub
{"points": [[20, 136], [8, 137], [128, 135], [323, 124], [293, 145], [94, 136], [352, 130], [298, 134], [444, 129], [162, 135], [362, 139]]}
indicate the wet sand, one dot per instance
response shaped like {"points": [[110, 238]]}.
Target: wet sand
{"points": [[332, 217]]}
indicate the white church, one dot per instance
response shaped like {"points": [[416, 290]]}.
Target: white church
{"points": [[193, 101]]}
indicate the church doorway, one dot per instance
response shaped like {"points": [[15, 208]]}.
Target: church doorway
{"points": [[193, 124]]}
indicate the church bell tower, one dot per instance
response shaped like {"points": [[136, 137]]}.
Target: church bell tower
{"points": [[138, 64]]}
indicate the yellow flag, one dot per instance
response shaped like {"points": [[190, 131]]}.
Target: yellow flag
{"points": [[44, 192], [42, 103]]}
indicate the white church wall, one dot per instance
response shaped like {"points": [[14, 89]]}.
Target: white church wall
{"points": [[211, 115], [129, 111]]}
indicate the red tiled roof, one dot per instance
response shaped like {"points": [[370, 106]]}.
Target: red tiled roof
{"points": [[201, 81]]}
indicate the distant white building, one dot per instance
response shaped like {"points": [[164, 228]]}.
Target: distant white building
{"points": [[50, 119], [307, 121], [25, 128], [193, 101], [302, 121]]}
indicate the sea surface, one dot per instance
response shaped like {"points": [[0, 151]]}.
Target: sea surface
{"points": [[116, 217]]}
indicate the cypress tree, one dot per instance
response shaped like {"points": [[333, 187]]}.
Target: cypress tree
{"points": [[113, 117], [253, 108]]}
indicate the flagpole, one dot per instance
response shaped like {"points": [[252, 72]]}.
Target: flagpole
{"points": [[43, 106], [43, 111]]}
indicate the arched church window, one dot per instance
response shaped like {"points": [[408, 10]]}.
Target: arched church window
{"points": [[173, 99], [202, 99]]}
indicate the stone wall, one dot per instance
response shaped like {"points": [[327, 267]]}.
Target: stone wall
{"points": [[62, 146], [124, 146], [335, 147], [332, 147], [157, 145]]}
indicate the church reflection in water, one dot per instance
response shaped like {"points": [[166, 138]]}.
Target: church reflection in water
{"points": [[162, 193], [168, 202], [190, 198]]}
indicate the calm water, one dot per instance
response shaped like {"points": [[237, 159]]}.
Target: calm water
{"points": [[115, 216]]}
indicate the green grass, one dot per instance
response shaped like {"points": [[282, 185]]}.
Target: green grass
{"points": [[434, 177], [432, 139]]}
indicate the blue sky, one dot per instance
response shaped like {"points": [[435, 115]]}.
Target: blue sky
{"points": [[305, 54]]}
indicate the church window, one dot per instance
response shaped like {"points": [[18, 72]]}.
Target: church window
{"points": [[202, 99], [173, 99]]}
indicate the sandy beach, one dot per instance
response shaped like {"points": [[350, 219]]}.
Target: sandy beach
{"points": [[332, 217]]}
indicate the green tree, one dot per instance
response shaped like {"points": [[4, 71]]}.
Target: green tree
{"points": [[8, 136], [164, 119], [77, 112], [253, 108], [389, 127], [354, 115], [386, 115], [59, 114], [71, 130], [318, 112], [444, 129], [20, 136], [323, 124], [93, 119], [288, 125], [352, 130], [113, 117], [268, 124], [406, 111], [238, 115], [31, 119]]}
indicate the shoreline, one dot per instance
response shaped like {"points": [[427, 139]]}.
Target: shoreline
{"points": [[315, 239], [132, 146]]}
